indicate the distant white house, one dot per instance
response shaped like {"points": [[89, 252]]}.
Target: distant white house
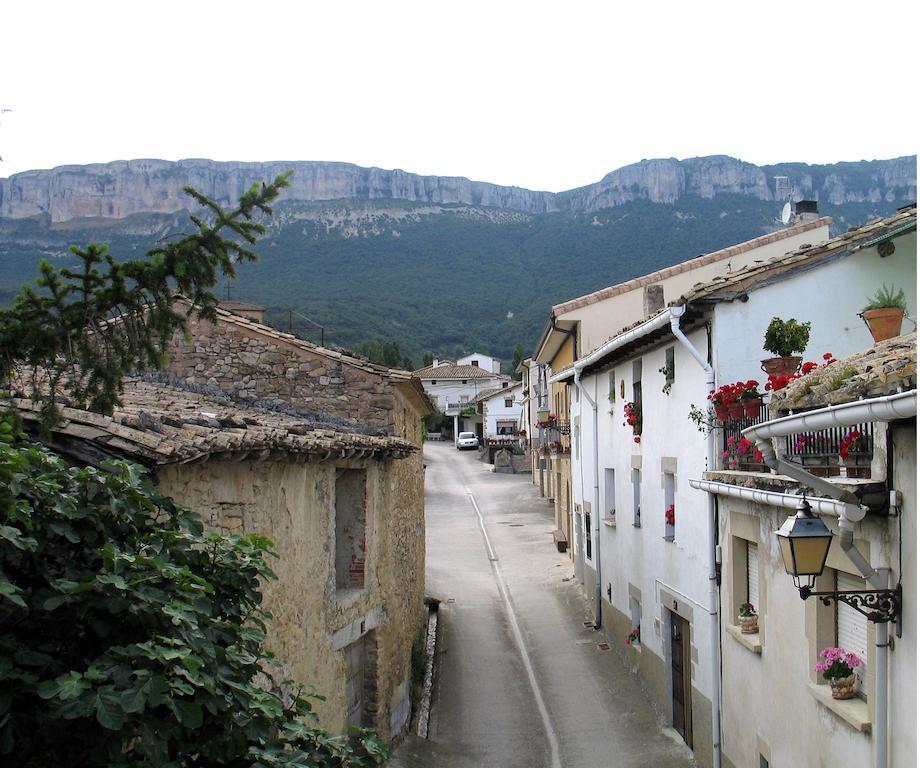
{"points": [[479, 360], [454, 387], [501, 410]]}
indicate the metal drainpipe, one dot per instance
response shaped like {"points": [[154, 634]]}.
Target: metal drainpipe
{"points": [[595, 522], [714, 644], [890, 408]]}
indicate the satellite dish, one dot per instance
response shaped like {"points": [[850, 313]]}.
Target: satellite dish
{"points": [[787, 213]]}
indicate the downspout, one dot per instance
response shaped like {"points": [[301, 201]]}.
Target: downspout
{"points": [[714, 644], [890, 408], [595, 522]]}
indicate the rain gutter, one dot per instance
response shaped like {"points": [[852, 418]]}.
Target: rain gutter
{"points": [[673, 315]]}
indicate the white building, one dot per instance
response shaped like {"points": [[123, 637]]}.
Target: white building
{"points": [[454, 387], [501, 410], [641, 571], [479, 360]]}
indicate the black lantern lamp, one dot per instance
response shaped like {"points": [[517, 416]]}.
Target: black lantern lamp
{"points": [[804, 541]]}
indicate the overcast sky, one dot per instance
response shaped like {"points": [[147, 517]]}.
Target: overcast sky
{"points": [[545, 96]]}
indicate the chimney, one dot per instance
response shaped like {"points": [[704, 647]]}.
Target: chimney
{"points": [[806, 210], [653, 299]]}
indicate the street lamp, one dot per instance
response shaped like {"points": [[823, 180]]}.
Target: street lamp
{"points": [[805, 541]]}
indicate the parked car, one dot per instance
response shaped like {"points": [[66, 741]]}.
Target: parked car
{"points": [[467, 440]]}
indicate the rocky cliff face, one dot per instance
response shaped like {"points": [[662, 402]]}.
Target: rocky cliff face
{"points": [[119, 189]]}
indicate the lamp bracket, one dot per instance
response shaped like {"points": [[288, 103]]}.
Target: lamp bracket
{"points": [[877, 605]]}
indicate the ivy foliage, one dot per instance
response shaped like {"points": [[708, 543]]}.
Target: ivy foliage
{"points": [[81, 329], [130, 637]]}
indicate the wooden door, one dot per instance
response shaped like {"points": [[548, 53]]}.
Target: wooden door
{"points": [[680, 677], [355, 657]]}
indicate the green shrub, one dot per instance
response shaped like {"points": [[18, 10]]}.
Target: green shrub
{"points": [[785, 338], [130, 637], [886, 298]]}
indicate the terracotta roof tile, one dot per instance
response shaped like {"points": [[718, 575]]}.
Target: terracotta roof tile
{"points": [[161, 424], [686, 266]]}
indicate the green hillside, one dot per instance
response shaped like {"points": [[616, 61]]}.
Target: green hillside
{"points": [[444, 282]]}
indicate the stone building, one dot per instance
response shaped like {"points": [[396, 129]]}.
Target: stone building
{"points": [[343, 509]]}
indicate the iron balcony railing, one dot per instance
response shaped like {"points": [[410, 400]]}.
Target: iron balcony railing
{"points": [[825, 453]]}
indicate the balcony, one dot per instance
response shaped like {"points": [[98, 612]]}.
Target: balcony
{"points": [[843, 451]]}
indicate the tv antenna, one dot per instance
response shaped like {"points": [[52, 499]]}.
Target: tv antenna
{"points": [[783, 191]]}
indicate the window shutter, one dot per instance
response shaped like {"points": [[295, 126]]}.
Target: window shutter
{"points": [[852, 626], [753, 576]]}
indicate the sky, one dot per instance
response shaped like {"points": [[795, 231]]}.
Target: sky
{"points": [[547, 96]]}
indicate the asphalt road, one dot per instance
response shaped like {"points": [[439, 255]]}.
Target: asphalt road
{"points": [[521, 682]]}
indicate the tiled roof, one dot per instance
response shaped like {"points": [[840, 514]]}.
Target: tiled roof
{"points": [[230, 306], [485, 395], [160, 424], [733, 284], [454, 372], [289, 339], [883, 369], [686, 266]]}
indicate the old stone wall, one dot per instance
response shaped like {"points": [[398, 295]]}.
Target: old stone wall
{"points": [[251, 365], [293, 504]]}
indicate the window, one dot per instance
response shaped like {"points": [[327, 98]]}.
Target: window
{"points": [[433, 383], [474, 363], [670, 512], [635, 617], [752, 576], [610, 504], [852, 628], [463, 382], [668, 369], [350, 527], [637, 394], [588, 531], [637, 485], [509, 402]]}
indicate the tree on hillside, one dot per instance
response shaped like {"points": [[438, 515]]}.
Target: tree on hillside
{"points": [[516, 358], [82, 330], [386, 353], [427, 360]]}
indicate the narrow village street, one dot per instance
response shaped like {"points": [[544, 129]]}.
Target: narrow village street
{"points": [[521, 680]]}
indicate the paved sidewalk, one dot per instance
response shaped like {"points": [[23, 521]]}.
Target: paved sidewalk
{"points": [[521, 680]]}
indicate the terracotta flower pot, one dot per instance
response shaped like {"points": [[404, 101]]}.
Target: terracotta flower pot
{"points": [[884, 323], [748, 624], [721, 412], [843, 687], [781, 366], [751, 408], [735, 410]]}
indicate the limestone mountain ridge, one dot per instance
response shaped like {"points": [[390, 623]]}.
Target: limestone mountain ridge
{"points": [[122, 188]]}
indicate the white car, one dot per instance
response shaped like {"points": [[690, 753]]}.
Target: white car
{"points": [[467, 440]]}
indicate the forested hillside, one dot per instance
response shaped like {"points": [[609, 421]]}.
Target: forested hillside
{"points": [[451, 277]]}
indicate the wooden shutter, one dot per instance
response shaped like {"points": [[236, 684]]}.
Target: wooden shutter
{"points": [[852, 626], [753, 576]]}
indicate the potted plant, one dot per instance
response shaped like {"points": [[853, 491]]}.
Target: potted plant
{"points": [[751, 398], [838, 667], [632, 412], [884, 313], [633, 637], [723, 399], [786, 339], [747, 618]]}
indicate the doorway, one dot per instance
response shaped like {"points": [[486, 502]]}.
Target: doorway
{"points": [[356, 683], [680, 677]]}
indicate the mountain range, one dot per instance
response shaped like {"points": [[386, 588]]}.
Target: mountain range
{"points": [[436, 264]]}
